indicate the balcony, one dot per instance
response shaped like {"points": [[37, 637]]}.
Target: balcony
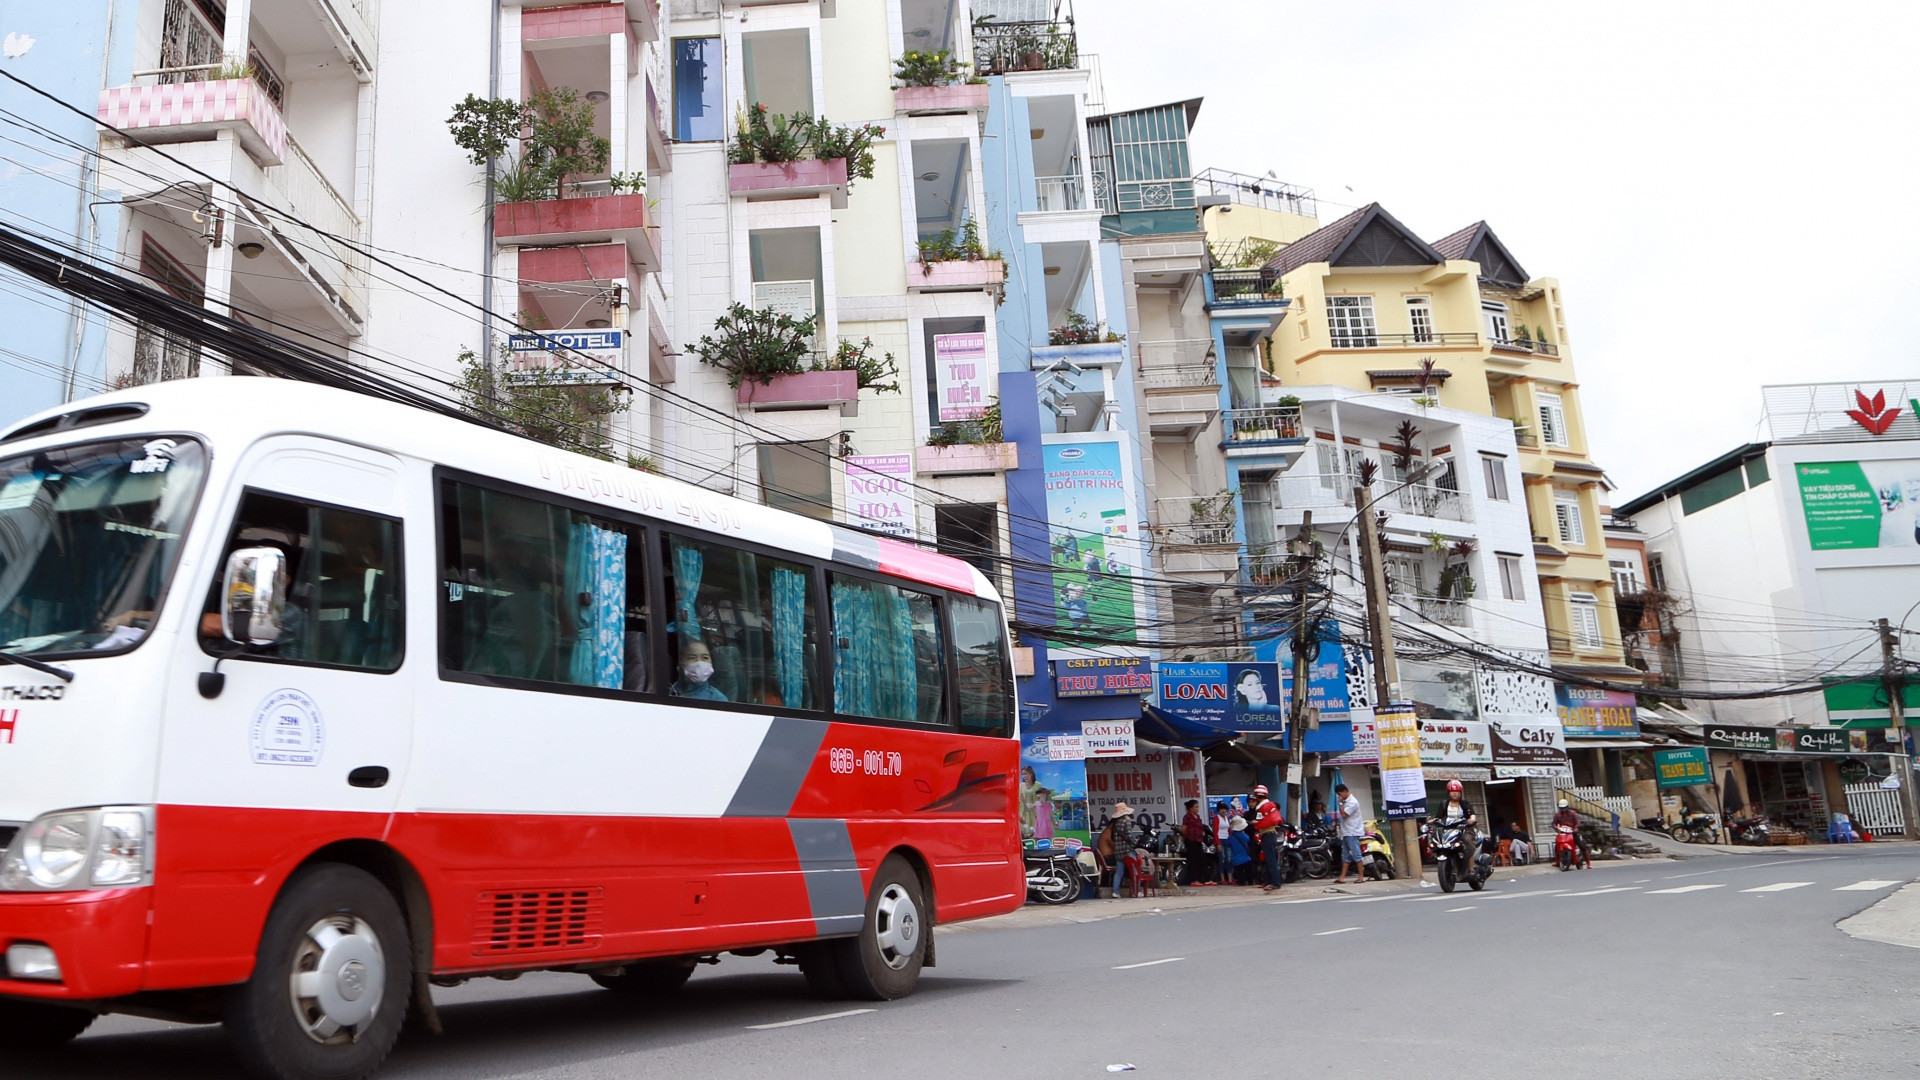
{"points": [[1008, 47], [643, 14], [955, 275], [1313, 491], [177, 112], [1442, 610], [1059, 193], [966, 459], [790, 180], [804, 390], [1353, 339], [1524, 345], [1244, 288], [1435, 503], [934, 100], [1263, 426], [593, 215]]}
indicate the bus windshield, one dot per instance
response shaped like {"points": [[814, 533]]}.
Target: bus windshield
{"points": [[89, 536]]}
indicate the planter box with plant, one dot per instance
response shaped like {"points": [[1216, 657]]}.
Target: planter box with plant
{"points": [[968, 446], [178, 112], [1082, 342], [770, 362], [930, 82], [775, 156], [955, 259]]}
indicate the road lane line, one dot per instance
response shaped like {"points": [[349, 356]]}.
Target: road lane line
{"points": [[1866, 886], [1770, 864], [1342, 930], [1780, 886], [1687, 888], [1603, 892], [807, 1020], [1149, 963], [1518, 895], [1372, 899], [1451, 910], [1309, 900]]}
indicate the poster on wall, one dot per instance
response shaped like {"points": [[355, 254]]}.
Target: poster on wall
{"points": [[1239, 696], [1143, 782], [1851, 505], [1326, 673], [1093, 545], [1596, 714], [960, 375], [1366, 742], [1403, 786], [880, 494], [1455, 742], [1053, 793]]}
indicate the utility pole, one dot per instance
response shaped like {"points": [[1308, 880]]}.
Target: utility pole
{"points": [[1302, 562], [1901, 764], [1386, 670]]}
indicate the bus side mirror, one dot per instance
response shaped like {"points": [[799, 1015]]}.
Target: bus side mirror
{"points": [[254, 612]]}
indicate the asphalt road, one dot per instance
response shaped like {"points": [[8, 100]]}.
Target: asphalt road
{"points": [[1723, 967]]}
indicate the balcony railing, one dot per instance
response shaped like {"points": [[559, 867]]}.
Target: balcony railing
{"points": [[1002, 47], [299, 186], [1269, 423], [1447, 611], [1243, 285], [1060, 192], [192, 49], [1307, 491], [1194, 521], [1538, 348], [1430, 502], [1137, 196], [1176, 352], [1354, 339], [1526, 439], [1181, 377]]}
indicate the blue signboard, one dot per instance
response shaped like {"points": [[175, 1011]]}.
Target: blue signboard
{"points": [[1326, 673], [589, 341], [1238, 696], [1101, 676]]}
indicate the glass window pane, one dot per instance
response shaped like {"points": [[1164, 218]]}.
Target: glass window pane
{"points": [[743, 626], [981, 676], [890, 659], [342, 586], [544, 592], [697, 90]]}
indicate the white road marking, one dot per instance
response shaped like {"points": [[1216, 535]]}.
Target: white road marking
{"points": [[1342, 930], [1309, 900], [1687, 888], [1766, 865], [807, 1020], [1469, 907], [1372, 899], [1517, 895], [1780, 886], [1866, 886], [1150, 963], [1603, 892]]}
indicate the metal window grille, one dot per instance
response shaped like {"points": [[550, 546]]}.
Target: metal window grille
{"points": [[1350, 322], [1420, 317], [1566, 512], [1585, 609]]}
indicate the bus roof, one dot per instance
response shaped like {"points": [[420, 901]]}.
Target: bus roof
{"points": [[230, 411]]}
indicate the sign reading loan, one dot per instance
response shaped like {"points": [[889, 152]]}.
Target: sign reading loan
{"points": [[1860, 504]]}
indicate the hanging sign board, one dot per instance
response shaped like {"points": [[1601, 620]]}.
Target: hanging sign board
{"points": [[1101, 676], [1682, 768], [879, 493], [1403, 787], [960, 375], [566, 357], [1107, 738], [1455, 742]]}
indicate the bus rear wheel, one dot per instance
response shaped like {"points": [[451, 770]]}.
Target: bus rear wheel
{"points": [[329, 988], [884, 961], [29, 1025], [654, 979]]}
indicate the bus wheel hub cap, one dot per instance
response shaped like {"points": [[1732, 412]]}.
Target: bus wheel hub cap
{"points": [[338, 976]]}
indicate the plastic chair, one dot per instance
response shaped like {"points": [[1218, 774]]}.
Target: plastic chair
{"points": [[1840, 830], [1504, 855], [1140, 879]]}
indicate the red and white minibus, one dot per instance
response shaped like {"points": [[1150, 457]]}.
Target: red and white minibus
{"points": [[310, 701]]}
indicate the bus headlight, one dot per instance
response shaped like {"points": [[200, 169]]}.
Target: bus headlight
{"points": [[101, 848]]}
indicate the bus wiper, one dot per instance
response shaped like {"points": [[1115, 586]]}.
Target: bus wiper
{"points": [[40, 666]]}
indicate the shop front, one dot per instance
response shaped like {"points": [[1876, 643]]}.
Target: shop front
{"points": [[1796, 776]]}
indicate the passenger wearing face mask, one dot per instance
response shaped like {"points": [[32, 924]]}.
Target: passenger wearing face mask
{"points": [[696, 673]]}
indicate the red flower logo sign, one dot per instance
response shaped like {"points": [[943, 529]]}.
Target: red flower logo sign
{"points": [[1873, 413]]}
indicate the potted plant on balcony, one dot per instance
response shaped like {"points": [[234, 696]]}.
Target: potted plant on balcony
{"points": [[1211, 517], [554, 130], [844, 151], [769, 358], [944, 258], [969, 446], [1080, 330], [937, 68]]}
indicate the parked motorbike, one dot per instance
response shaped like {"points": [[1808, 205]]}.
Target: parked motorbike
{"points": [[1695, 829], [1566, 847], [1753, 830], [1058, 876], [1319, 852], [1377, 855], [1456, 859]]}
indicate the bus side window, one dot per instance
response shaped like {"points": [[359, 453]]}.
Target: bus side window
{"points": [[343, 583], [541, 592], [891, 655], [980, 644], [743, 626]]}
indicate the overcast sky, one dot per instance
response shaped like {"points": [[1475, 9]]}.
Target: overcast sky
{"points": [[1725, 191]]}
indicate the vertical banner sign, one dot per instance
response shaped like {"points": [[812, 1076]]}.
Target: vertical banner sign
{"points": [[1053, 792], [960, 375], [1682, 768], [1403, 787], [1189, 780], [1860, 504], [878, 493], [1093, 548]]}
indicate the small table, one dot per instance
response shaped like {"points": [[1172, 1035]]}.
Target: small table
{"points": [[1166, 868]]}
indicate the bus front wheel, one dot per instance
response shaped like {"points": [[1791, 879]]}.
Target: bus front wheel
{"points": [[884, 962], [329, 988]]}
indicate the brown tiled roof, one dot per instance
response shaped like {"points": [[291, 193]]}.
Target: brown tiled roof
{"points": [[1322, 242], [1547, 551], [1455, 245], [1578, 467]]}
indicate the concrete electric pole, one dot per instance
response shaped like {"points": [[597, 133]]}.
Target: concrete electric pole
{"points": [[1300, 567], [1386, 671], [1901, 764]]}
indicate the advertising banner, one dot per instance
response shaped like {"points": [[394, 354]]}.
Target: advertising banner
{"points": [[1455, 742], [1143, 781], [1107, 738], [1101, 676], [1726, 737], [1819, 740], [1366, 741], [960, 375], [1864, 704], [1403, 787], [880, 493], [1682, 768], [566, 357], [1850, 505], [1189, 780], [1596, 714], [1326, 674], [1094, 546], [1528, 744], [1053, 793], [1238, 696]]}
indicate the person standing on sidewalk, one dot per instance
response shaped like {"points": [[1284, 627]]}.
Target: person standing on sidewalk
{"points": [[1265, 823], [1347, 812], [1116, 843], [1222, 830], [1193, 830]]}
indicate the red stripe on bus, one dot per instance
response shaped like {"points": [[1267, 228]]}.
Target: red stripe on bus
{"points": [[905, 560]]}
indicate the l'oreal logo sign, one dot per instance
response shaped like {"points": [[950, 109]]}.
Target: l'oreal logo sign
{"points": [[1873, 414]]}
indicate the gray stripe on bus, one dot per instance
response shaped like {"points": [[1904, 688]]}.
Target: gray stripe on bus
{"points": [[779, 767], [833, 877]]}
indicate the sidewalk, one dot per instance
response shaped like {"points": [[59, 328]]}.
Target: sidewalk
{"points": [[1678, 850], [1219, 896]]}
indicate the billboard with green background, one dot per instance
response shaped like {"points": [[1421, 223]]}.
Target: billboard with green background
{"points": [[1095, 546], [1851, 505]]}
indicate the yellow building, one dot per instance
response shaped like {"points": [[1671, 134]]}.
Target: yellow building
{"points": [[1372, 302]]}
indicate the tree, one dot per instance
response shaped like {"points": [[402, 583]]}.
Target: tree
{"points": [[567, 417]]}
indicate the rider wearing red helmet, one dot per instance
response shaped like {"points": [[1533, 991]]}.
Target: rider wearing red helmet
{"points": [[1457, 808], [1264, 820]]}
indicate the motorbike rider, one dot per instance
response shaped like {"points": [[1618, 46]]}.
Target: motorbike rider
{"points": [[1459, 810], [1265, 819], [1568, 817]]}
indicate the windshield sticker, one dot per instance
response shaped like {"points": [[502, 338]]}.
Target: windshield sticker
{"points": [[53, 692], [140, 530], [159, 455], [287, 730], [20, 491], [8, 718]]}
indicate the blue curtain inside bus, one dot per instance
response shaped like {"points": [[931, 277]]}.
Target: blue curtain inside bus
{"points": [[876, 674], [687, 564], [597, 575], [789, 621]]}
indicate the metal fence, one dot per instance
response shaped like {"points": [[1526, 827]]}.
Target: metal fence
{"points": [[1059, 192], [1876, 809], [1266, 424]]}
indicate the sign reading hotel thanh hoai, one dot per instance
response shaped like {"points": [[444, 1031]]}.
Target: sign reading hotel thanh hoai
{"points": [[1682, 768], [1596, 714], [1101, 676]]}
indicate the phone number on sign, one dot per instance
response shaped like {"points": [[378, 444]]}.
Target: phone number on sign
{"points": [[842, 759]]}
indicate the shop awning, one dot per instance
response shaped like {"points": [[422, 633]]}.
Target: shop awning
{"points": [[1172, 729], [1249, 754], [1616, 744]]}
